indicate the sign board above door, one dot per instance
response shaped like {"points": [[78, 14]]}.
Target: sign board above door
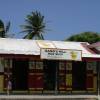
{"points": [[61, 54]]}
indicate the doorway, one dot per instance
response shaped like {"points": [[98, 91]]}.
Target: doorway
{"points": [[79, 75], [50, 78], [20, 74]]}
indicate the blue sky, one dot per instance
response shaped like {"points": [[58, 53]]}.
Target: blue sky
{"points": [[64, 17]]}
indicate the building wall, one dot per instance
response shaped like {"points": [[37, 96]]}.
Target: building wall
{"points": [[53, 76], [74, 77]]}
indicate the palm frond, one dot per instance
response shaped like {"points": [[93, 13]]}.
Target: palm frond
{"points": [[26, 31], [4, 29], [35, 25], [1, 29], [7, 27], [29, 36], [1, 24]]}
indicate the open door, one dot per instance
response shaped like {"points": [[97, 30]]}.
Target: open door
{"points": [[50, 75], [79, 75], [20, 75]]}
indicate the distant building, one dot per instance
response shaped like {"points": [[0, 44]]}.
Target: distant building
{"points": [[47, 67], [95, 46]]}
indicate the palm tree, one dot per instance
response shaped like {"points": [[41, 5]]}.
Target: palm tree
{"points": [[35, 26], [4, 29]]}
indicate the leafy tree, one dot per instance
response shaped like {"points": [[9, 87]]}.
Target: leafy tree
{"points": [[35, 26], [89, 37], [4, 29]]}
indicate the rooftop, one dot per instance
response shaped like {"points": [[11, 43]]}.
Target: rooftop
{"points": [[32, 47]]}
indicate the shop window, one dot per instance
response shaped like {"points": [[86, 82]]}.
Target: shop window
{"points": [[65, 76], [92, 66], [39, 65], [61, 77], [32, 65], [91, 76], [68, 79], [62, 65], [69, 76], [1, 75]]}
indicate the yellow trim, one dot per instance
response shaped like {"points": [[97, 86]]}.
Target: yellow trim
{"points": [[79, 91], [62, 91], [5, 73], [31, 88], [68, 89], [6, 89], [89, 88], [31, 73], [95, 83], [39, 88], [61, 88], [61, 74], [34, 92], [39, 73], [90, 75], [19, 91], [47, 91], [91, 91], [1, 82]]}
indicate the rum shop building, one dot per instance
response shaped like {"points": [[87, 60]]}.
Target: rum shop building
{"points": [[47, 67]]}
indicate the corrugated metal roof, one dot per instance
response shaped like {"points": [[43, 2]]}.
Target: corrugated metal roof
{"points": [[32, 47], [98, 48], [19, 46], [95, 45]]}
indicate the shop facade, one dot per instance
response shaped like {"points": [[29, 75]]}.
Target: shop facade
{"points": [[47, 67], [96, 47]]}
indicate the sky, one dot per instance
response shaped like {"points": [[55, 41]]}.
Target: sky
{"points": [[63, 17]]}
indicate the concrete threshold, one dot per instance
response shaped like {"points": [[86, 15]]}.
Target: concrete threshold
{"points": [[45, 97]]}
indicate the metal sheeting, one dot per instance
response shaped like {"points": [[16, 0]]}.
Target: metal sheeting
{"points": [[19, 46], [32, 47], [98, 48], [95, 45]]}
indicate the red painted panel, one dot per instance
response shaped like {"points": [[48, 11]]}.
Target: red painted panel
{"points": [[35, 81], [39, 81], [89, 82], [31, 81], [5, 81]]}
